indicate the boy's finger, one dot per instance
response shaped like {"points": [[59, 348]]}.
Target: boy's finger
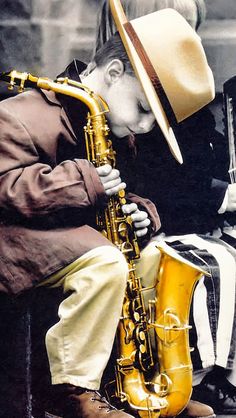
{"points": [[142, 224], [139, 216], [142, 232], [129, 208], [104, 170], [111, 184], [115, 190]]}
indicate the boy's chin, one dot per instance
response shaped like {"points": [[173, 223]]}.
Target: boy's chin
{"points": [[120, 133]]}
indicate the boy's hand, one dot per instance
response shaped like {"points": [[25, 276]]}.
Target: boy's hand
{"points": [[139, 217], [231, 206], [110, 178]]}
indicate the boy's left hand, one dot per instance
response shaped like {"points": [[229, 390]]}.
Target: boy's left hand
{"points": [[139, 218]]}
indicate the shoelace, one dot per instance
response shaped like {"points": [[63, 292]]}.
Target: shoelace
{"points": [[104, 402]]}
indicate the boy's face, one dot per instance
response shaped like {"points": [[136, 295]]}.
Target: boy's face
{"points": [[129, 108]]}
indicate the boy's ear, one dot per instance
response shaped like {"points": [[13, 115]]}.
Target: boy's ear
{"points": [[113, 71]]}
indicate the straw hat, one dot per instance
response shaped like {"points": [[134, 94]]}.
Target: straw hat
{"points": [[170, 62]]}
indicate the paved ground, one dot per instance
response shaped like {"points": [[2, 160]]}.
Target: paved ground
{"points": [[218, 416], [225, 416]]}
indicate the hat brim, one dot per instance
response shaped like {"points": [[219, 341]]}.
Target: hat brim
{"points": [[149, 90]]}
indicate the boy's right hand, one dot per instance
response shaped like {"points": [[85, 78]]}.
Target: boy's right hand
{"points": [[231, 204], [110, 178]]}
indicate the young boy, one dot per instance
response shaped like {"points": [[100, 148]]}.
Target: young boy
{"points": [[50, 194]]}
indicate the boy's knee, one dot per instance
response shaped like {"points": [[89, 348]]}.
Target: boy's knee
{"points": [[105, 265], [114, 259], [114, 255]]}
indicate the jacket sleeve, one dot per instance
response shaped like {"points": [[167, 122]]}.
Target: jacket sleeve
{"points": [[30, 188], [206, 159], [188, 196], [218, 190]]}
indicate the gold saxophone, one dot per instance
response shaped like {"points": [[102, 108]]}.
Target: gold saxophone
{"points": [[149, 391]]}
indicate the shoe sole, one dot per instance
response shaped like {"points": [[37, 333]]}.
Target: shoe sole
{"points": [[199, 416], [226, 412]]}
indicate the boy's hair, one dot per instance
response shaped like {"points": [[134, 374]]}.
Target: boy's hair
{"points": [[113, 49], [201, 10]]}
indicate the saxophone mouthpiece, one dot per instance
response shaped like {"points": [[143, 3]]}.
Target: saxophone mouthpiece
{"points": [[20, 79], [13, 78], [4, 75]]}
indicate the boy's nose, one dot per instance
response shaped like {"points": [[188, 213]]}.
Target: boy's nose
{"points": [[146, 123]]}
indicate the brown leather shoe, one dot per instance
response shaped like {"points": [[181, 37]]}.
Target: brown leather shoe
{"points": [[82, 403], [217, 392], [195, 409]]}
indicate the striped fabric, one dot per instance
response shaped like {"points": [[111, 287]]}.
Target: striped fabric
{"points": [[213, 307]]}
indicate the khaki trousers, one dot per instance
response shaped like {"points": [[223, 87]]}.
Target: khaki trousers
{"points": [[80, 344]]}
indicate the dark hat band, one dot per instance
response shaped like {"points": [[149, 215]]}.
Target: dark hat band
{"points": [[151, 73]]}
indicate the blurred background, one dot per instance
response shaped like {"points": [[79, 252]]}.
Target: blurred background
{"points": [[42, 37]]}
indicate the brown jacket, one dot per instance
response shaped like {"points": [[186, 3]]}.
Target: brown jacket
{"points": [[49, 192]]}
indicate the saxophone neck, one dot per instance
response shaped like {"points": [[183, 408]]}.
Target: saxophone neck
{"points": [[63, 85]]}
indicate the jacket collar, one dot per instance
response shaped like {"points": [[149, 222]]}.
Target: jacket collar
{"points": [[72, 110]]}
